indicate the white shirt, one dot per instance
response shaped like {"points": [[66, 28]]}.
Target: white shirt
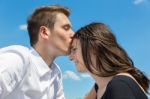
{"points": [[25, 75]]}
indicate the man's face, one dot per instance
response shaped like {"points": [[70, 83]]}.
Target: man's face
{"points": [[61, 35]]}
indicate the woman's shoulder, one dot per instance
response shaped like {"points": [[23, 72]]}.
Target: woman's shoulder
{"points": [[123, 82], [125, 86], [122, 79]]}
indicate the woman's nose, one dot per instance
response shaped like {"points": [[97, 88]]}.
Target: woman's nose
{"points": [[71, 56]]}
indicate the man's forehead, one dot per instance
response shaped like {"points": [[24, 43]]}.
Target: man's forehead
{"points": [[62, 18]]}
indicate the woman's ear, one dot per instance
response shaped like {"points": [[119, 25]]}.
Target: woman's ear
{"points": [[44, 32]]}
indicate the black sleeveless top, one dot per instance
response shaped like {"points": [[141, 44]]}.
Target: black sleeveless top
{"points": [[122, 87]]}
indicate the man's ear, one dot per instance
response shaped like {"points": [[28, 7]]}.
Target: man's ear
{"points": [[44, 32]]}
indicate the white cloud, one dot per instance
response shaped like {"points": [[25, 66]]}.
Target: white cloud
{"points": [[70, 74], [23, 27], [137, 2], [85, 76]]}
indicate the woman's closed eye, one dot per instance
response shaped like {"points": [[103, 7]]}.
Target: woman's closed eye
{"points": [[73, 50]]}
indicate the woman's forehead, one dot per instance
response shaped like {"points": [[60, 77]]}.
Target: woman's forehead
{"points": [[75, 42]]}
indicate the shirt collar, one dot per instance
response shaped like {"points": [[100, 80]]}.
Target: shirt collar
{"points": [[40, 64]]}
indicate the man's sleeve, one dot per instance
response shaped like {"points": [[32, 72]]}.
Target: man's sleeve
{"points": [[11, 71]]}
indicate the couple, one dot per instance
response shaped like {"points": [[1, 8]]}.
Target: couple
{"points": [[32, 74]]}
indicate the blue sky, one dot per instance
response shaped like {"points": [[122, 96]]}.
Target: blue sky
{"points": [[128, 19]]}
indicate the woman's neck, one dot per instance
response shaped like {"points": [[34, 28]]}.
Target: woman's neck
{"points": [[102, 83]]}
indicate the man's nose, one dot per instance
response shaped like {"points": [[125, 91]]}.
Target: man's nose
{"points": [[72, 33]]}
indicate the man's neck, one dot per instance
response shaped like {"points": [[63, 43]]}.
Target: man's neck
{"points": [[46, 55]]}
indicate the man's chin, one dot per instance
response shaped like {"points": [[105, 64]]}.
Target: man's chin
{"points": [[65, 53]]}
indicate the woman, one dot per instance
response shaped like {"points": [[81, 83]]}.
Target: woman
{"points": [[95, 50]]}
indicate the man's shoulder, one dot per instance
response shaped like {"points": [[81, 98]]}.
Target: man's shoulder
{"points": [[14, 48], [16, 51]]}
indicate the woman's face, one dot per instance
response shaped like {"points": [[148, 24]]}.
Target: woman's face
{"points": [[76, 56]]}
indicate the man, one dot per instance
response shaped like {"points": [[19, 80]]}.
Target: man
{"points": [[30, 73]]}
